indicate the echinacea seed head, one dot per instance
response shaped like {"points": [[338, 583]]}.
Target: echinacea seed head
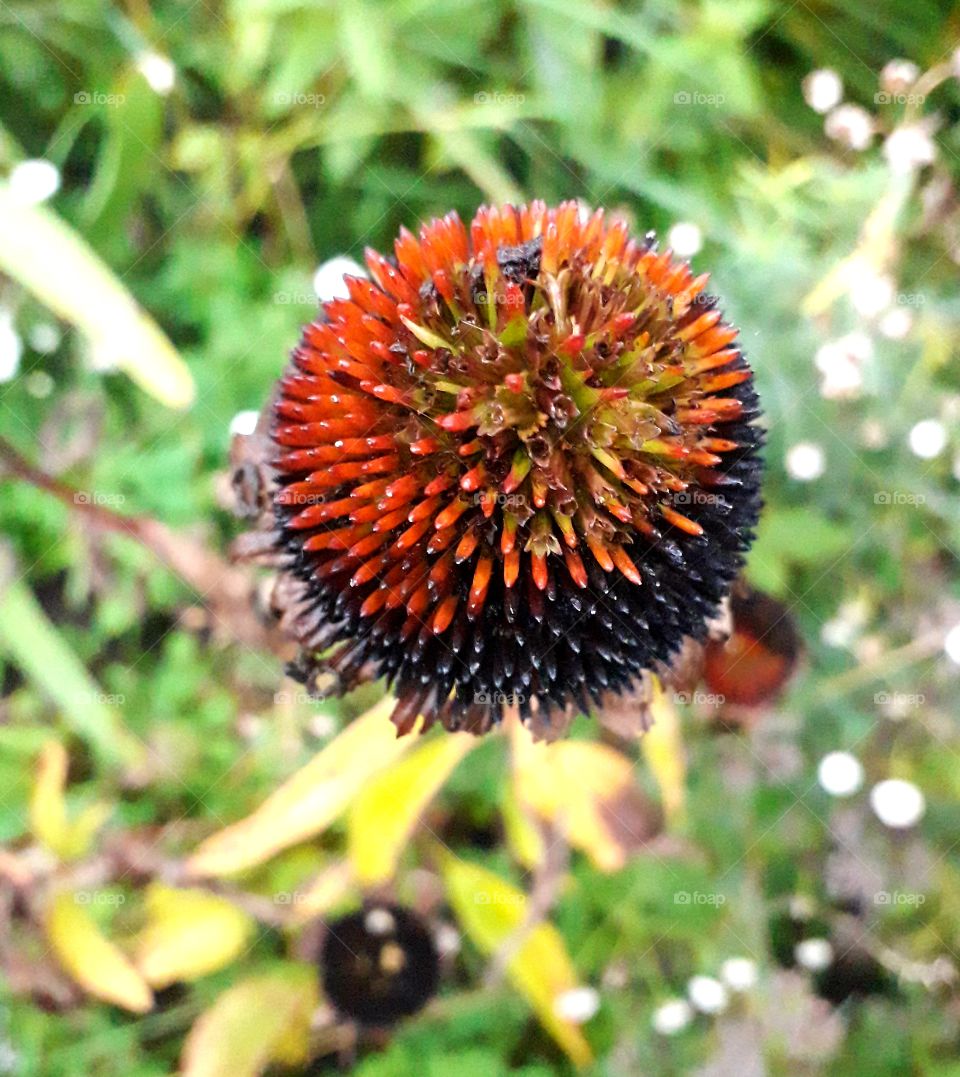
{"points": [[518, 463]]}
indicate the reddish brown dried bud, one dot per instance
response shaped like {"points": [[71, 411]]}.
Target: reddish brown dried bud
{"points": [[752, 667]]}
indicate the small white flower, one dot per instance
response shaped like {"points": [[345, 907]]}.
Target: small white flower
{"points": [[840, 774], [707, 994], [813, 954], [874, 434], [44, 338], [672, 1017], [379, 921], [871, 293], [739, 973], [578, 1004], [34, 181], [909, 148], [899, 75], [896, 323], [685, 239], [855, 347], [850, 125], [328, 282], [897, 803], [321, 725], [39, 384], [448, 940], [842, 381], [244, 422], [836, 633], [841, 363], [11, 348], [951, 644], [822, 90], [158, 71], [805, 461], [928, 438]]}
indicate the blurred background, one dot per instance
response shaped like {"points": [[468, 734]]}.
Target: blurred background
{"points": [[181, 180]]}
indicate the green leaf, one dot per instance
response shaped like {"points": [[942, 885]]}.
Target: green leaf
{"points": [[38, 649], [793, 536], [127, 163]]}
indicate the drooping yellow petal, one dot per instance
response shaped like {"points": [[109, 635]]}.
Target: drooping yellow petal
{"points": [[523, 838]]}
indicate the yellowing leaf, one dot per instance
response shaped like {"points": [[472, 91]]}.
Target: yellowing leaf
{"points": [[386, 811], [588, 791], [50, 259], [663, 749], [188, 934], [48, 808], [492, 912], [84, 828], [523, 837], [309, 801], [92, 959], [262, 1019]]}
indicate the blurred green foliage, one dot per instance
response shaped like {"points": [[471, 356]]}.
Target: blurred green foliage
{"points": [[297, 130]]}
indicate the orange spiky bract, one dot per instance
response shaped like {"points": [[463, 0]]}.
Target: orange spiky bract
{"points": [[517, 464]]}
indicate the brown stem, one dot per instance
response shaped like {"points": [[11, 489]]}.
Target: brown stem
{"points": [[227, 592]]}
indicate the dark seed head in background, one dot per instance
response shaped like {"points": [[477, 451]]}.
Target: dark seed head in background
{"points": [[379, 965]]}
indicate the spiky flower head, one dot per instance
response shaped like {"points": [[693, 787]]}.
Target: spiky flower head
{"points": [[516, 466]]}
